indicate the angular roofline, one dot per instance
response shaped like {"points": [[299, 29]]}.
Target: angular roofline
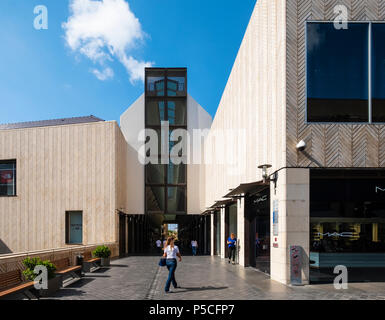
{"points": [[49, 123]]}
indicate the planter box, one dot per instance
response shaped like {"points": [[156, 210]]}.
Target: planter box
{"points": [[105, 262], [53, 286]]}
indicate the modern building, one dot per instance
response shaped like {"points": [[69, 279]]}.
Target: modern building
{"points": [[293, 162], [70, 184], [301, 75], [60, 185]]}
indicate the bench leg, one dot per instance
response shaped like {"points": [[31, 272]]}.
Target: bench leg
{"points": [[29, 295]]}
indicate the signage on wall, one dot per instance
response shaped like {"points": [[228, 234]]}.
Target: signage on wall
{"points": [[275, 217], [260, 199], [295, 265], [336, 234], [275, 223], [378, 189]]}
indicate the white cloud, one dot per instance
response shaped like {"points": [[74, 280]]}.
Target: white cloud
{"points": [[103, 75], [104, 30]]}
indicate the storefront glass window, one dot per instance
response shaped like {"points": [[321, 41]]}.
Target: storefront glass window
{"points": [[347, 218]]}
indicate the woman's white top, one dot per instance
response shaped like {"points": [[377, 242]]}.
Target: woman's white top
{"points": [[172, 252]]}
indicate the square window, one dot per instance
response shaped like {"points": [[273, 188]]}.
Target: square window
{"points": [[337, 73], [8, 178]]}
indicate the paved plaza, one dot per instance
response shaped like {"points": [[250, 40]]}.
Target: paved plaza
{"points": [[201, 278]]}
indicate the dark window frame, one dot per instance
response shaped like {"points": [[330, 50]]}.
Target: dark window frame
{"points": [[14, 162], [370, 73]]}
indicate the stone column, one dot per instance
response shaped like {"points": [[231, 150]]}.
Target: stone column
{"points": [[222, 238], [292, 197], [212, 238], [241, 231]]}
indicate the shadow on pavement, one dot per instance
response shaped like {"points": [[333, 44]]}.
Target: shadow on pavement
{"points": [[185, 289], [68, 292], [119, 265]]}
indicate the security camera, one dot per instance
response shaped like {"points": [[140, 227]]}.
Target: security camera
{"points": [[301, 146]]}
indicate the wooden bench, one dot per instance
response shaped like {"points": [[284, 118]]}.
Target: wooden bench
{"points": [[69, 274], [12, 282], [90, 264]]}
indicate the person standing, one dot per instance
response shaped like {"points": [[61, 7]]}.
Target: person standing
{"points": [[257, 245], [171, 251], [194, 246], [159, 245], [232, 242]]}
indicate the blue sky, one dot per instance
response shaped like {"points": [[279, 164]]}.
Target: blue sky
{"points": [[43, 77]]}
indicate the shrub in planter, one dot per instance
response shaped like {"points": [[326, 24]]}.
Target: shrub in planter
{"points": [[53, 280], [104, 253]]}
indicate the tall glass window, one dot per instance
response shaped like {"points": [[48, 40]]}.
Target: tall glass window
{"points": [[176, 174], [74, 227], [155, 85], [155, 199], [337, 73], [155, 113], [176, 199], [166, 184], [8, 178], [378, 72], [155, 173], [177, 111]]}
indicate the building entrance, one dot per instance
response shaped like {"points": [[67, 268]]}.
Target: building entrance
{"points": [[259, 230]]}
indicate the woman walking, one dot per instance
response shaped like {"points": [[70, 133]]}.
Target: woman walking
{"points": [[171, 251]]}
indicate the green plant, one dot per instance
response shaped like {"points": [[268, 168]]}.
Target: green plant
{"points": [[102, 252], [31, 263]]}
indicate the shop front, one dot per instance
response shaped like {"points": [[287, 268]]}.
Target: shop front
{"points": [[259, 234], [347, 224]]}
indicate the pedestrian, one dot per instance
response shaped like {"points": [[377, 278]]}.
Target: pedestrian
{"points": [[158, 245], [257, 245], [171, 251], [194, 247], [232, 242]]}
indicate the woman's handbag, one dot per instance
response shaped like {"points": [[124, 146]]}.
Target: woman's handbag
{"points": [[162, 262]]}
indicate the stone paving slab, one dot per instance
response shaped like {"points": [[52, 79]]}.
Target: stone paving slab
{"points": [[201, 278]]}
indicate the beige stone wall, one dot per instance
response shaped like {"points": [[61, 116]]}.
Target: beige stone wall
{"points": [[60, 168], [329, 145], [292, 193], [253, 104]]}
